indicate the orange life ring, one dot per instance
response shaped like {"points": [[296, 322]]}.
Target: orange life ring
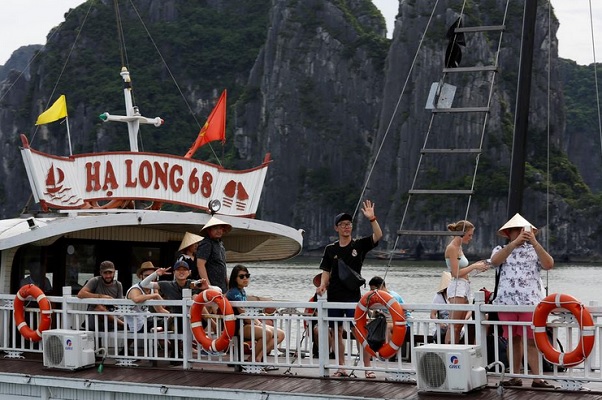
{"points": [[586, 326], [45, 312], [389, 349], [222, 343]]}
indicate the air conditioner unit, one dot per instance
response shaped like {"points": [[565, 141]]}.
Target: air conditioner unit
{"points": [[68, 349], [450, 368]]}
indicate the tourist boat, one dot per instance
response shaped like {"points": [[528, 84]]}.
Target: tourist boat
{"points": [[91, 212]]}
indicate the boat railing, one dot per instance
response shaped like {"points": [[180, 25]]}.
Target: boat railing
{"points": [[306, 344]]}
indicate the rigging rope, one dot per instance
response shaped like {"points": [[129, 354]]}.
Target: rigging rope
{"points": [[591, 23], [56, 83], [405, 84], [546, 241], [173, 78]]}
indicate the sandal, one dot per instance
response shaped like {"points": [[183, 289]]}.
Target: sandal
{"points": [[512, 382], [542, 384], [341, 374], [370, 375]]}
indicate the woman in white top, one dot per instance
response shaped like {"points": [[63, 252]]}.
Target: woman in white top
{"points": [[458, 291]]}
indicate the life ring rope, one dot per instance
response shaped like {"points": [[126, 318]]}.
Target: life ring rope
{"points": [[212, 296], [45, 320], [586, 329]]}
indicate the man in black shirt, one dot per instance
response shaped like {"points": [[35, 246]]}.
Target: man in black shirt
{"points": [[352, 252]]}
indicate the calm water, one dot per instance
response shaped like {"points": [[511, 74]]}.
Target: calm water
{"points": [[415, 281]]}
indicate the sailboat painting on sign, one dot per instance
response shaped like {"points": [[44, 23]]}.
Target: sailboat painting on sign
{"points": [[445, 96]]}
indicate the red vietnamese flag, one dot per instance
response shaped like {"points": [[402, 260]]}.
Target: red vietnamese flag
{"points": [[214, 128]]}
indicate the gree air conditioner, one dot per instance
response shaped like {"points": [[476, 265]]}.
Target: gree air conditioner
{"points": [[68, 349], [450, 368]]}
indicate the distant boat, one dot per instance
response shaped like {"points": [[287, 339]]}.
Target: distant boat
{"points": [[399, 254]]}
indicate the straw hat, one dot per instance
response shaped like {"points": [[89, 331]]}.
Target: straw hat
{"points": [[189, 240], [145, 266], [445, 280], [215, 222], [515, 222]]}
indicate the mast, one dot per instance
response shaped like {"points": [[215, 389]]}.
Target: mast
{"points": [[521, 121]]}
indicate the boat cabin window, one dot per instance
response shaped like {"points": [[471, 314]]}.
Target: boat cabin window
{"points": [[80, 262], [69, 262]]}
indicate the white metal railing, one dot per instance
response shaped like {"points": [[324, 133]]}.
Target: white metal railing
{"points": [[175, 342]]}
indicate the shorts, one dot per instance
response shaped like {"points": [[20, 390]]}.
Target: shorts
{"points": [[339, 313], [516, 317], [459, 288]]}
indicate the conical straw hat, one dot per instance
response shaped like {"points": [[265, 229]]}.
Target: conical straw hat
{"points": [[515, 222], [189, 239], [444, 281], [214, 222]]}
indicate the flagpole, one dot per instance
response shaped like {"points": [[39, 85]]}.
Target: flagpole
{"points": [[68, 135]]}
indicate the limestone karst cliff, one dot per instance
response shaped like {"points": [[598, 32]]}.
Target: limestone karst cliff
{"points": [[315, 83]]}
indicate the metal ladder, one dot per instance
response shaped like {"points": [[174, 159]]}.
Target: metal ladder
{"points": [[467, 145]]}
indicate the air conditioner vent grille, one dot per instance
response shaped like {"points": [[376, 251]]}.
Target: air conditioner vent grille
{"points": [[432, 370], [53, 350]]}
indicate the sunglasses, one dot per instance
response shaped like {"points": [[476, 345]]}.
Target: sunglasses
{"points": [[244, 276]]}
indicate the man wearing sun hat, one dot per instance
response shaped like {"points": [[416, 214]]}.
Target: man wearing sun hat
{"points": [[519, 264], [211, 253], [138, 294]]}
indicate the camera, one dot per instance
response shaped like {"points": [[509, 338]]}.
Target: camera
{"points": [[528, 228]]}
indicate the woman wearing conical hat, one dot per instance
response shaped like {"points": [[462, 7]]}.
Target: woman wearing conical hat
{"points": [[187, 250], [211, 253], [519, 265]]}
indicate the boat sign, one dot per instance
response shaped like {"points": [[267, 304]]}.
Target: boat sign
{"points": [[81, 181]]}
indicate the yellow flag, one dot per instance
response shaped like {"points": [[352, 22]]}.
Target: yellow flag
{"points": [[57, 111]]}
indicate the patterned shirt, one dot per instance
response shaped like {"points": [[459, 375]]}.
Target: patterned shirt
{"points": [[520, 279]]}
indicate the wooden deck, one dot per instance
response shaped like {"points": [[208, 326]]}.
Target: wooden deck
{"points": [[222, 382]]}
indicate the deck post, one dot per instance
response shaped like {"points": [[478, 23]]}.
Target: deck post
{"points": [[323, 341], [66, 320], [187, 330], [479, 317]]}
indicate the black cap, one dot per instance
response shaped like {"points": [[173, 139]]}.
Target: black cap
{"points": [[342, 217], [181, 263]]}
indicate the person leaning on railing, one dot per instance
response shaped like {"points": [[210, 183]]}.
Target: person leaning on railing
{"points": [[252, 329], [104, 286], [138, 294]]}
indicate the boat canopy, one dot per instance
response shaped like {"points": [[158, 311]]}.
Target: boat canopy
{"points": [[250, 239]]}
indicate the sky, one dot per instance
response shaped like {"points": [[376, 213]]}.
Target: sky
{"points": [[24, 22]]}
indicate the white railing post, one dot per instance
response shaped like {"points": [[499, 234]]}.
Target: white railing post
{"points": [[479, 317], [323, 342], [186, 334], [66, 315], [592, 364]]}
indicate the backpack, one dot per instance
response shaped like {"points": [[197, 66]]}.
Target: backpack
{"points": [[377, 331]]}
